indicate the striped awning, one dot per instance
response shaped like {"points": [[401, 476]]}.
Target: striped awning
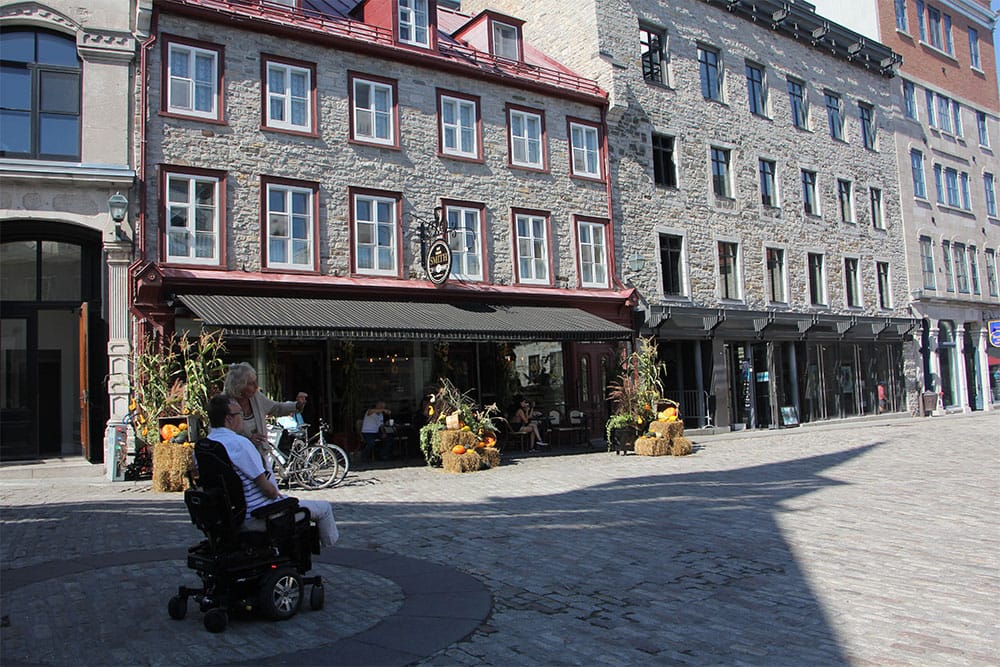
{"points": [[278, 317]]}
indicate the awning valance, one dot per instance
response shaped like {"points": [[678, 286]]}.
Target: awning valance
{"points": [[278, 317]]}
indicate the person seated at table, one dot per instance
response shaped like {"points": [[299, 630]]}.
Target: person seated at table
{"points": [[373, 430], [521, 422]]}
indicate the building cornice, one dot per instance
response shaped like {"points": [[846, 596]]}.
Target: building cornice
{"points": [[48, 170]]}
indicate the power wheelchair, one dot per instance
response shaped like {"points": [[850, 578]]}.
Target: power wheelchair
{"points": [[241, 570]]}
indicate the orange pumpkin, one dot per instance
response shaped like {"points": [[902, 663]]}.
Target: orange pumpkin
{"points": [[458, 449], [489, 440], [168, 431]]}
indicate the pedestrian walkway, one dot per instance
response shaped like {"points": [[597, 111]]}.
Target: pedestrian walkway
{"points": [[867, 542]]}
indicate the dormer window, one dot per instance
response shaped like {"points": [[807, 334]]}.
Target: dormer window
{"points": [[506, 41], [414, 22]]}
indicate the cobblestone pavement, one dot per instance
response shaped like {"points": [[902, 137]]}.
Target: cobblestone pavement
{"points": [[868, 542]]}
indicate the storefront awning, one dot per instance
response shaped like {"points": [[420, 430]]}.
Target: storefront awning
{"points": [[277, 317]]}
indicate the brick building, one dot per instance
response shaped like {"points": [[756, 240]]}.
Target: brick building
{"points": [[64, 153], [299, 163], [754, 178]]}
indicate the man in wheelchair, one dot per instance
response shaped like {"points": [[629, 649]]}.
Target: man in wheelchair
{"points": [[258, 544]]}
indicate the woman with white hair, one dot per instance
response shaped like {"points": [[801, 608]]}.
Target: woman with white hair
{"points": [[241, 384]]}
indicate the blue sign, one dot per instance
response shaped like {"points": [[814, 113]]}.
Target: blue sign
{"points": [[994, 333]]}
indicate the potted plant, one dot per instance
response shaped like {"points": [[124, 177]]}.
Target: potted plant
{"points": [[635, 395]]}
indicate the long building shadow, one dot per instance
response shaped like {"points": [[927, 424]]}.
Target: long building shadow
{"points": [[687, 568]]}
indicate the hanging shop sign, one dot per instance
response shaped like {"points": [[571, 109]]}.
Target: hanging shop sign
{"points": [[438, 264]]}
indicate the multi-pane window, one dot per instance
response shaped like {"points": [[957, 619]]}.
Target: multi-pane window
{"points": [[653, 54], [921, 21], [901, 15], [961, 269], [944, 113], [374, 111], [192, 204], [593, 254], [810, 198], [775, 263], [506, 42], [951, 186], [664, 162], [289, 226], [532, 248], [984, 135], [375, 227], [917, 172], [192, 80], [40, 100], [526, 139], [834, 115], [909, 100], [974, 57], [671, 264], [973, 255], [585, 150], [414, 22], [990, 194], [939, 30], [845, 200], [721, 181], [963, 182], [852, 282], [711, 73], [931, 113], [465, 238], [875, 202], [867, 116], [927, 263], [956, 117], [884, 288], [460, 127], [289, 97], [939, 183], [756, 92], [797, 102], [949, 273], [991, 272], [817, 279], [768, 184], [729, 280]]}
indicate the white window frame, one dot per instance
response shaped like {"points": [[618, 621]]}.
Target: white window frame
{"points": [[682, 277], [852, 283], [845, 200], [960, 267], [772, 182], [532, 134], [373, 224], [975, 59], [973, 255], [949, 272], [797, 90], [917, 173], [726, 177], [769, 283], [654, 49], [506, 40], [901, 22], [414, 18], [737, 278], [982, 129], [287, 99], [869, 130], [834, 114], [927, 273], [372, 113], [292, 219], [757, 92], [883, 284], [453, 133], [990, 193], [810, 193], [876, 202], [189, 233], [531, 237], [587, 153], [593, 252], [190, 83], [822, 298], [910, 106], [465, 238], [990, 259], [706, 67]]}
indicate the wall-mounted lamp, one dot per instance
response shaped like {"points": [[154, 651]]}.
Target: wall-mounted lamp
{"points": [[636, 262], [118, 207]]}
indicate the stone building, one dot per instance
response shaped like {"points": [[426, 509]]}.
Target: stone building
{"points": [[300, 165], [756, 193], [67, 72], [947, 141]]}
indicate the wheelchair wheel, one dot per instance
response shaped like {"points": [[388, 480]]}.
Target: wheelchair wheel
{"points": [[281, 594], [177, 608], [216, 619], [317, 596], [322, 468]]}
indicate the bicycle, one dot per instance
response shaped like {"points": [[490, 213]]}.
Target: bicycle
{"points": [[343, 461], [310, 466]]}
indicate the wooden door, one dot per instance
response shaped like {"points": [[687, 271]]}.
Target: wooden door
{"points": [[84, 383]]}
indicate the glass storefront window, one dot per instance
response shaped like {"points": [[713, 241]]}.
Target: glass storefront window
{"points": [[946, 359], [18, 270], [61, 271]]}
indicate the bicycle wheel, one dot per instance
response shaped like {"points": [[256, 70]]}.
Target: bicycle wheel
{"points": [[321, 469], [343, 463]]}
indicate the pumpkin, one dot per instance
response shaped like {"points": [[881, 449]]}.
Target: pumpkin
{"points": [[668, 412], [168, 431], [489, 440], [458, 449], [182, 426]]}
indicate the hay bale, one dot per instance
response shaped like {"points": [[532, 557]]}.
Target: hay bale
{"points": [[490, 456], [171, 463], [656, 446], [449, 439], [162, 463], [467, 462], [667, 429], [680, 446]]}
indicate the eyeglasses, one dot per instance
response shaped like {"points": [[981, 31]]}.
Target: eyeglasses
{"points": [[236, 414]]}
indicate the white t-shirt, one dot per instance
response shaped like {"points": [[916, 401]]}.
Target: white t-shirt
{"points": [[372, 422], [248, 463]]}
